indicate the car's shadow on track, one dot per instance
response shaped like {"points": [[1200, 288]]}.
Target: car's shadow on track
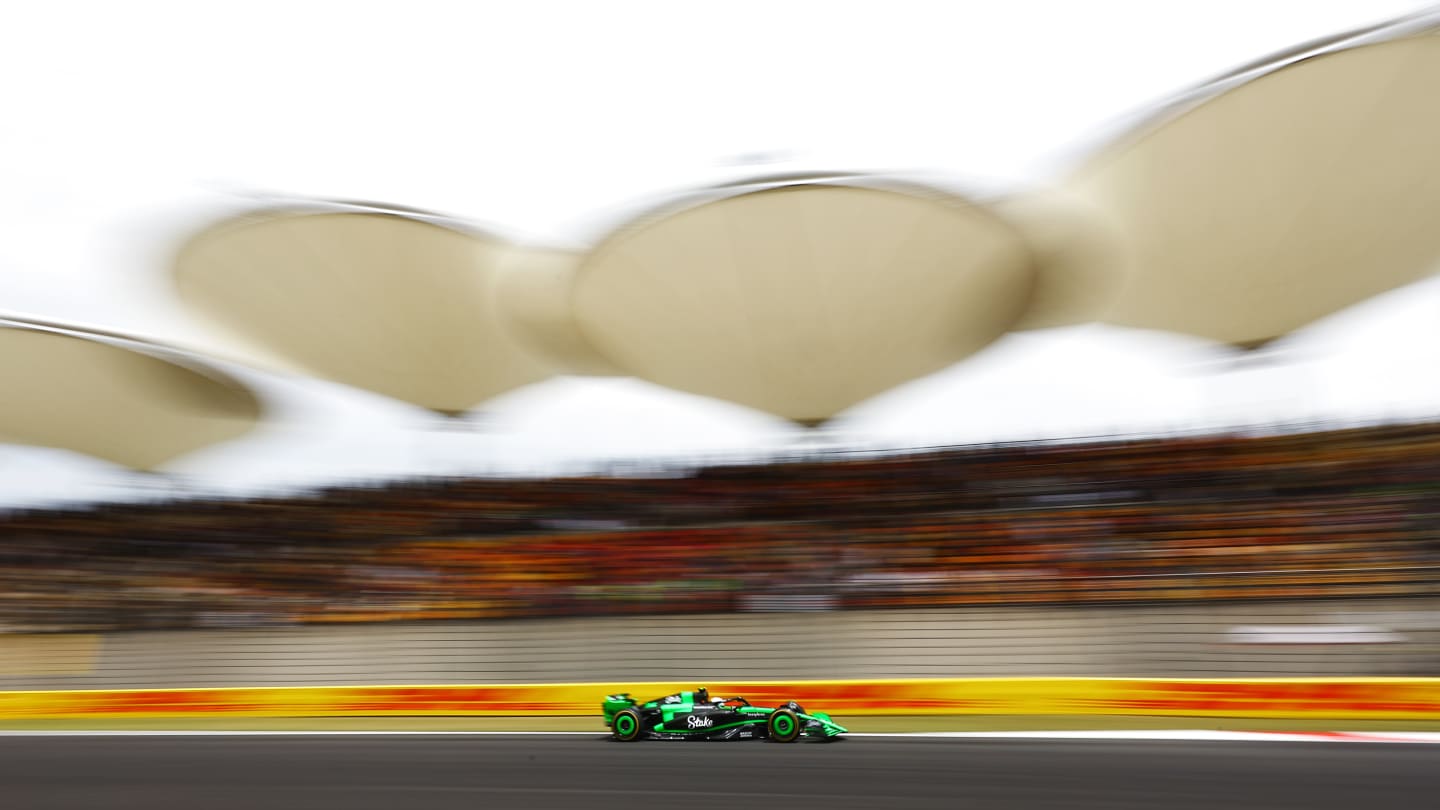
{"points": [[824, 741]]}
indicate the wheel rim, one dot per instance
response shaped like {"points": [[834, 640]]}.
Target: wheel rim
{"points": [[625, 725], [784, 725]]}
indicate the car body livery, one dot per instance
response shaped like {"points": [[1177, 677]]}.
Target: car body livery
{"points": [[696, 716]]}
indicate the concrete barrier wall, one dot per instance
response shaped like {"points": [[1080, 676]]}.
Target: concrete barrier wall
{"points": [[1394, 699], [1335, 638]]}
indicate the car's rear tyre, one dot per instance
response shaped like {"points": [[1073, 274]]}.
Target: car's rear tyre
{"points": [[783, 726], [625, 725]]}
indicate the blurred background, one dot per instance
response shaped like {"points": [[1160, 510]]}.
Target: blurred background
{"points": [[770, 341]]}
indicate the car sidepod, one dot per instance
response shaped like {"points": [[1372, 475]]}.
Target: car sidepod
{"points": [[689, 722]]}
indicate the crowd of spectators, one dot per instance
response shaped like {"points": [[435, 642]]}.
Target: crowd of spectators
{"points": [[1333, 513]]}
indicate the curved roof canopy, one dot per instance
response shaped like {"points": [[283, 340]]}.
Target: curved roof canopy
{"points": [[802, 299], [134, 404], [533, 298], [1264, 202], [1081, 258], [393, 302]]}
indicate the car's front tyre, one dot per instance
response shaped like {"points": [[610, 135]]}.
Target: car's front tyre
{"points": [[625, 725], [783, 726]]}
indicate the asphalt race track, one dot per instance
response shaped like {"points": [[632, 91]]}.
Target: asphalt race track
{"points": [[543, 772]]}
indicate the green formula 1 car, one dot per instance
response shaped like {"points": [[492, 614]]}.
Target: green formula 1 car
{"points": [[697, 716]]}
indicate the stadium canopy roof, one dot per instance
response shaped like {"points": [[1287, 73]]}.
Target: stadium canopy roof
{"points": [[802, 296], [136, 404], [398, 302], [1282, 192]]}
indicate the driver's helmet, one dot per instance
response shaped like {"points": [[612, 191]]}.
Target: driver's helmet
{"points": [[702, 695]]}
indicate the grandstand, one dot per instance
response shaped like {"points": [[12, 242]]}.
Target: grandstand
{"points": [[1329, 514]]}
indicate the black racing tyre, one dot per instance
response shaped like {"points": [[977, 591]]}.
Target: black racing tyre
{"points": [[783, 726], [625, 725]]}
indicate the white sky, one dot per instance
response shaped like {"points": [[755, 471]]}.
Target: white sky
{"points": [[127, 124]]}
